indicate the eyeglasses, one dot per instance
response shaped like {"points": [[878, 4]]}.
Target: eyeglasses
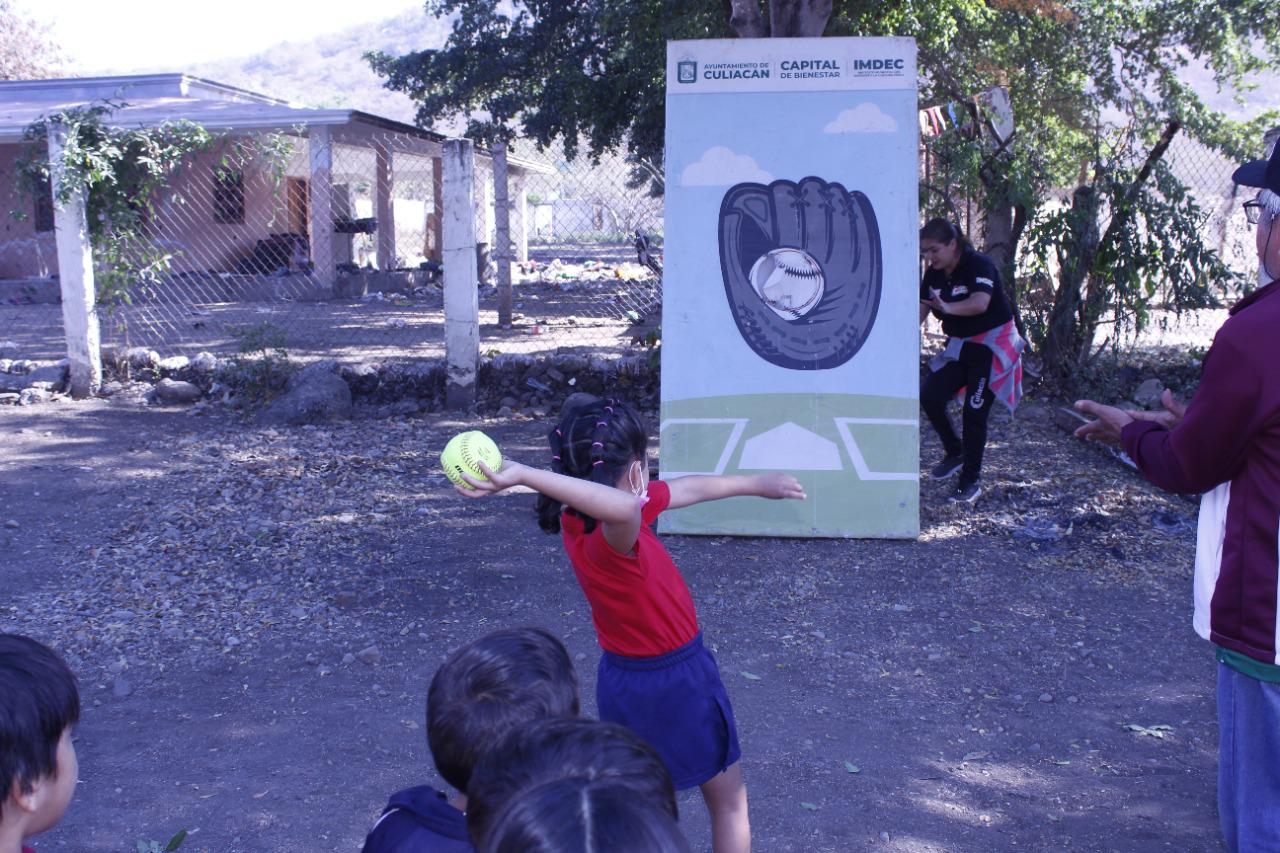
{"points": [[1253, 211]]}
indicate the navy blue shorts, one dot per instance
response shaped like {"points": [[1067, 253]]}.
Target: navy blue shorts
{"points": [[678, 704]]}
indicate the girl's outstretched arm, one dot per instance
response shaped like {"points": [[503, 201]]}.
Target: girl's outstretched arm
{"points": [[697, 488], [617, 511]]}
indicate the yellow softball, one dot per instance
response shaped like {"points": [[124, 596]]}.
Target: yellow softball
{"points": [[463, 451]]}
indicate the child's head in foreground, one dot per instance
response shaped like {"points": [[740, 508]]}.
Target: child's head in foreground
{"points": [[581, 815], [549, 750], [489, 687], [39, 704], [604, 441]]}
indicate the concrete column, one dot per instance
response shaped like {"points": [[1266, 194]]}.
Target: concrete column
{"points": [[501, 251], [520, 225], [321, 206], [384, 206], [461, 295], [75, 276]]}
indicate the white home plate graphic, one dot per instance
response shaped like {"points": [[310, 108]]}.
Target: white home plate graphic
{"points": [[790, 448]]}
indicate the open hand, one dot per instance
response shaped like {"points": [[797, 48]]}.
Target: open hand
{"points": [[780, 486], [1170, 417], [1110, 421], [504, 478]]}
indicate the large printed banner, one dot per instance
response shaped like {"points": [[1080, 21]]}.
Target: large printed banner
{"points": [[790, 320]]}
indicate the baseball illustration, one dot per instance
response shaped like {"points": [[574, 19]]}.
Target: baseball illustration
{"points": [[462, 452], [789, 281]]}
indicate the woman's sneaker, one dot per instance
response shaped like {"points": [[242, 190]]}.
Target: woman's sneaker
{"points": [[952, 463], [966, 493]]}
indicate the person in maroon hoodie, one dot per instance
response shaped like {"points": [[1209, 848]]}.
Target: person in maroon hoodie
{"points": [[1226, 445]]}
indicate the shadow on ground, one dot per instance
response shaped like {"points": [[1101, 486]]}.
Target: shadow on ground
{"points": [[219, 589]]}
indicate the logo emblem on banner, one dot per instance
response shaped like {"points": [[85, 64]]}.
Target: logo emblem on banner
{"points": [[687, 71]]}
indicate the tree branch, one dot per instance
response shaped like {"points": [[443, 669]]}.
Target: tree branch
{"points": [[746, 20]]}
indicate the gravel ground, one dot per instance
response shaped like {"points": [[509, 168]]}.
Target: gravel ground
{"points": [[254, 615]]}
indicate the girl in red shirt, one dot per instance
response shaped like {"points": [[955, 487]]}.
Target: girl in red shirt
{"points": [[656, 676]]}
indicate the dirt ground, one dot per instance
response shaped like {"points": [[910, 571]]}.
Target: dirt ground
{"points": [[254, 616]]}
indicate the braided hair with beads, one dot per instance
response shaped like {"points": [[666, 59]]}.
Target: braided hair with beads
{"points": [[594, 441]]}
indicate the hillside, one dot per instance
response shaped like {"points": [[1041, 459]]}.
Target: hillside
{"points": [[330, 71]]}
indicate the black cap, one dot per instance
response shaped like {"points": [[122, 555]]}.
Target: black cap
{"points": [[1261, 173]]}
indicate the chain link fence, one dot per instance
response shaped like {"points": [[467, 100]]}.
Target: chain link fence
{"points": [[1207, 176], [327, 244]]}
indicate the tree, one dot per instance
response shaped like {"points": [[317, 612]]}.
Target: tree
{"points": [[1094, 84], [26, 51]]}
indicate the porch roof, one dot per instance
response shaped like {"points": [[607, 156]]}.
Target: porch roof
{"points": [[152, 99]]}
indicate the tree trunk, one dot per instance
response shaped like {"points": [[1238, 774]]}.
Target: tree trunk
{"points": [[746, 20], [798, 18], [1060, 339], [1099, 289]]}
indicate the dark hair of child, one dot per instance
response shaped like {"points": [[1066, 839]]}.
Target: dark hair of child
{"points": [[595, 441], [38, 702], [582, 815], [941, 230], [489, 687], [550, 749]]}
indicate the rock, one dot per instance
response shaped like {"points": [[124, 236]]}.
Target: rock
{"points": [[348, 659], [121, 688], [174, 391], [177, 391], [344, 600], [1046, 697], [50, 377], [315, 394], [141, 358], [363, 379], [1148, 393], [31, 396], [110, 389], [205, 363], [369, 655], [23, 365], [5, 364], [12, 524], [8, 398], [174, 363], [8, 349]]}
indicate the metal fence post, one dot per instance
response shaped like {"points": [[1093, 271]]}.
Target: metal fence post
{"points": [[75, 275], [461, 294], [502, 233]]}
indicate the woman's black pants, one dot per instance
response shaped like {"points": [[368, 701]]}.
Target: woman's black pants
{"points": [[972, 371]]}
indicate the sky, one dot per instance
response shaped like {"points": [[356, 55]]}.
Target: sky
{"points": [[135, 35]]}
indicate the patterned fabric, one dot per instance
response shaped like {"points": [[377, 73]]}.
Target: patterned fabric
{"points": [[1006, 366]]}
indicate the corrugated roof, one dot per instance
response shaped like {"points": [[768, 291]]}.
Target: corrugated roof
{"points": [[149, 100]]}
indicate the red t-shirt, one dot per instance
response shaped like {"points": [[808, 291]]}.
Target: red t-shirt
{"points": [[639, 602]]}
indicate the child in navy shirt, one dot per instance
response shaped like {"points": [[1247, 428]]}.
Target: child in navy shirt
{"points": [[477, 697]]}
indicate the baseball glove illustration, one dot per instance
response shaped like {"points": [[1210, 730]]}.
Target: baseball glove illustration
{"points": [[802, 270]]}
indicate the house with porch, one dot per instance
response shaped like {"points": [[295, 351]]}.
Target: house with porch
{"points": [[287, 203]]}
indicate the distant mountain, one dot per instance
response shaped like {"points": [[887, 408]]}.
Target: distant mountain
{"points": [[330, 71]]}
